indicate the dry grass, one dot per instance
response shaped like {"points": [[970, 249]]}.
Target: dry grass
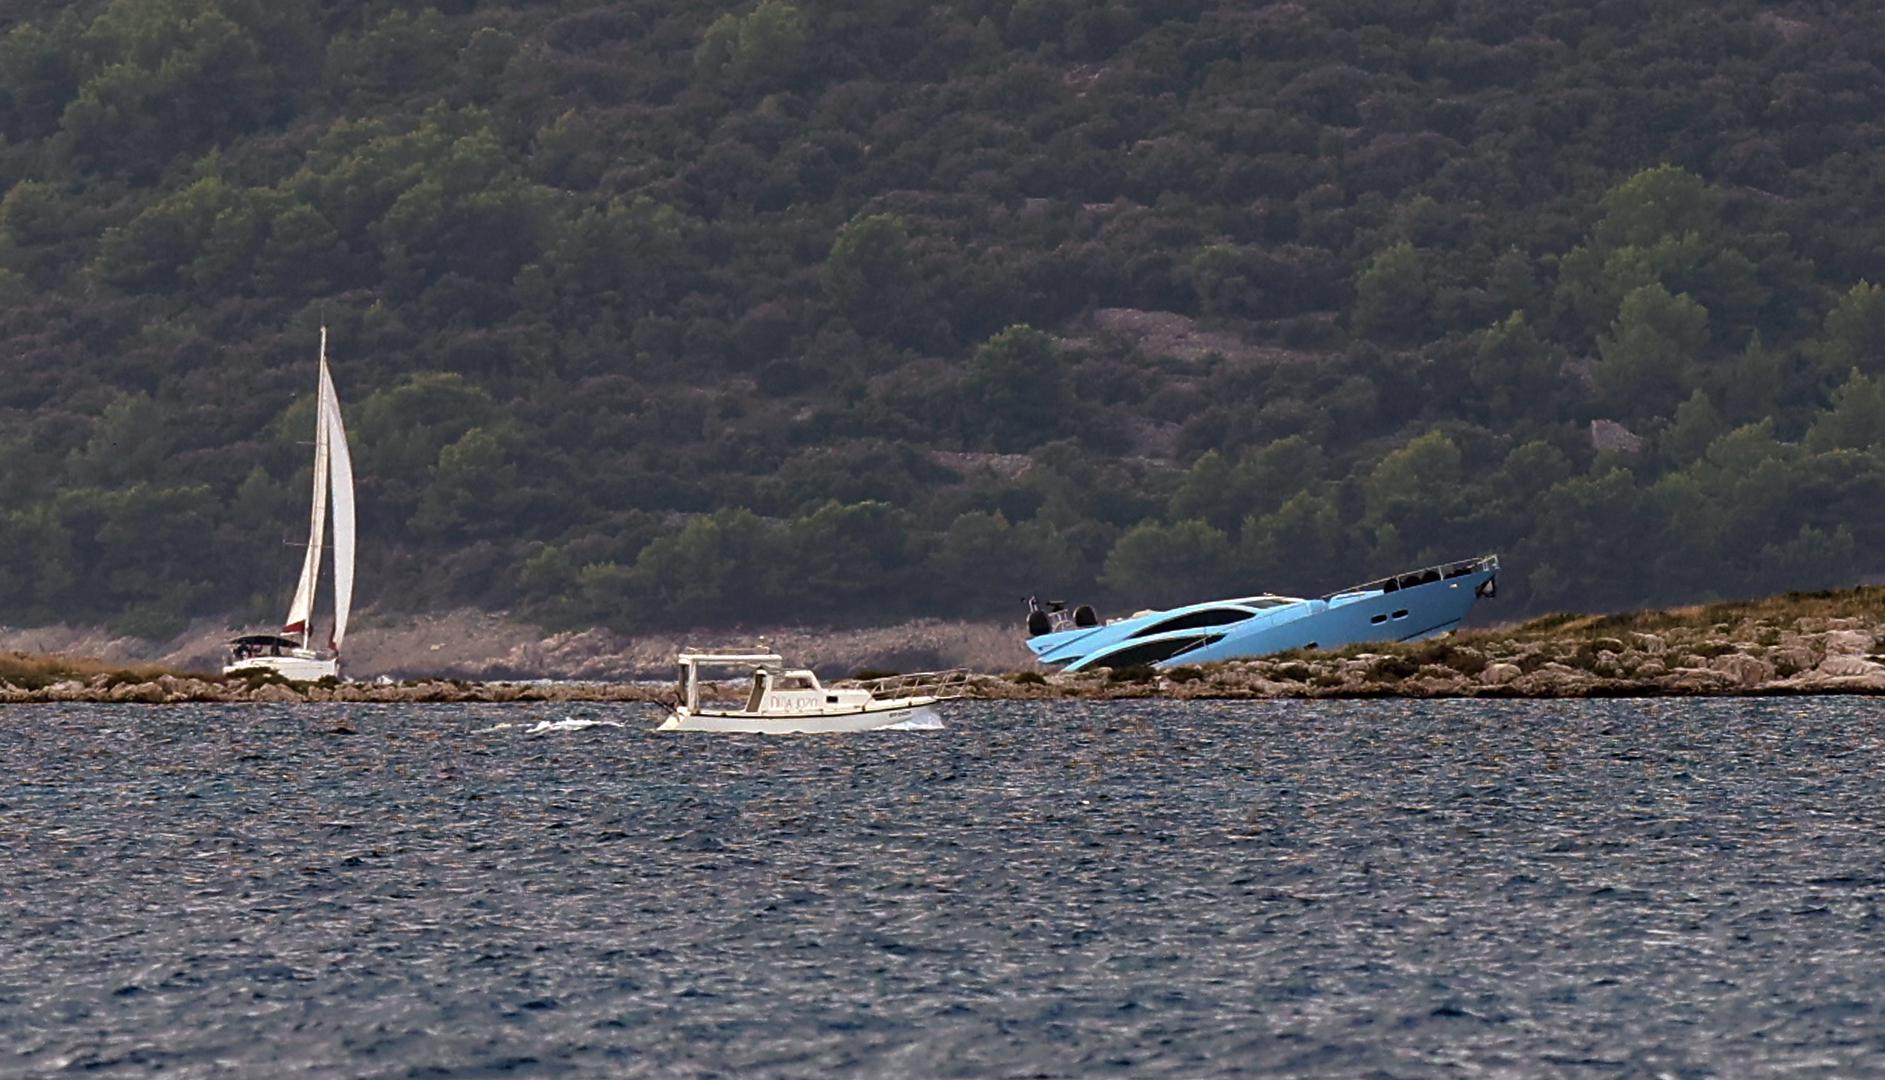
{"points": [[1571, 629], [31, 672], [1864, 602]]}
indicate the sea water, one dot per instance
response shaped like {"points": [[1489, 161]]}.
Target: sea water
{"points": [[1680, 888]]}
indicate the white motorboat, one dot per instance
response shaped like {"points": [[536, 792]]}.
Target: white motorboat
{"points": [[292, 653], [781, 700]]}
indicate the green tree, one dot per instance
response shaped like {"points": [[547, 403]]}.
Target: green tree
{"points": [[303, 254], [148, 542], [1650, 351], [1204, 493], [1220, 275], [1586, 528], [842, 551], [402, 52], [1689, 535], [169, 75], [41, 69], [1531, 469], [622, 257], [482, 62], [1392, 297], [1855, 331], [1655, 204], [1696, 425], [869, 274], [401, 433], [200, 235], [473, 490], [1303, 544], [1856, 420], [1416, 490], [1515, 371], [129, 443], [1171, 564], [763, 48], [1663, 226], [1748, 386], [1223, 494], [981, 554], [1512, 283], [728, 560], [1814, 558], [39, 567], [1017, 390]]}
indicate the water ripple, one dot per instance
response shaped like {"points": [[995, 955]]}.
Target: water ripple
{"points": [[1683, 888]]}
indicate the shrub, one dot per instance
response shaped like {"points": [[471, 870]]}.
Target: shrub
{"points": [[1394, 667]]}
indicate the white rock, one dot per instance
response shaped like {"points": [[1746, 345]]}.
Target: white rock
{"points": [[1744, 669], [1847, 642], [1499, 674], [1839, 664]]}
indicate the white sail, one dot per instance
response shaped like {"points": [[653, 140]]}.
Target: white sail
{"points": [[341, 462], [301, 611]]}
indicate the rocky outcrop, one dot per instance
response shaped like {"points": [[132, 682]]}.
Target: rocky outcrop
{"points": [[486, 646], [1770, 656], [1688, 652]]}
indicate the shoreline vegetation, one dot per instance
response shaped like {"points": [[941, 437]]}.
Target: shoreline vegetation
{"points": [[644, 313], [1800, 643]]}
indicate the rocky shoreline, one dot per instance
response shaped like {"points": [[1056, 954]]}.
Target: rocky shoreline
{"points": [[1823, 643]]}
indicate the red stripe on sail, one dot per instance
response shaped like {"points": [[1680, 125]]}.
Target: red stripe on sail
{"points": [[294, 628]]}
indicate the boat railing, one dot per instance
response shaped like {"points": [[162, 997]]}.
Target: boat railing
{"points": [[1423, 576], [953, 682]]}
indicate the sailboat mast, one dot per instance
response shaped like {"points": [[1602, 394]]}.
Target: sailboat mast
{"points": [[301, 612]]}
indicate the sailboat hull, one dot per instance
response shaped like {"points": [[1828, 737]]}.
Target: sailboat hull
{"points": [[292, 668]]}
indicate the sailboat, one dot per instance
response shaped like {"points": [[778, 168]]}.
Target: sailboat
{"points": [[293, 653]]}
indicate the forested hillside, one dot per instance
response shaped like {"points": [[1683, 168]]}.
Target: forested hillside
{"points": [[649, 313]]}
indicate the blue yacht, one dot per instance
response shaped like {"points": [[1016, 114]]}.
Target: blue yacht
{"points": [[1405, 607]]}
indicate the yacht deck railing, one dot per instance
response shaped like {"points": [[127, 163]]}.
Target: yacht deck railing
{"points": [[953, 682], [1423, 576]]}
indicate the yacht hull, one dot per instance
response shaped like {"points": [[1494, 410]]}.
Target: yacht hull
{"points": [[1231, 630]]}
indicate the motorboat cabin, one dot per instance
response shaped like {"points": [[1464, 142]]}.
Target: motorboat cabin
{"points": [[780, 700]]}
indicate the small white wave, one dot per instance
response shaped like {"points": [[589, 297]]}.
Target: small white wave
{"points": [[929, 722], [547, 727]]}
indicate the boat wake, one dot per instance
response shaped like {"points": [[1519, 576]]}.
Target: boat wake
{"points": [[552, 727], [928, 721]]}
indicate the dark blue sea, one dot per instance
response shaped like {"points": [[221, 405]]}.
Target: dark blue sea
{"points": [[1356, 889]]}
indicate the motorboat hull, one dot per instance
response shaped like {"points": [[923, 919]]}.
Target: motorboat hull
{"points": [[1414, 608], [731, 721], [292, 668]]}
